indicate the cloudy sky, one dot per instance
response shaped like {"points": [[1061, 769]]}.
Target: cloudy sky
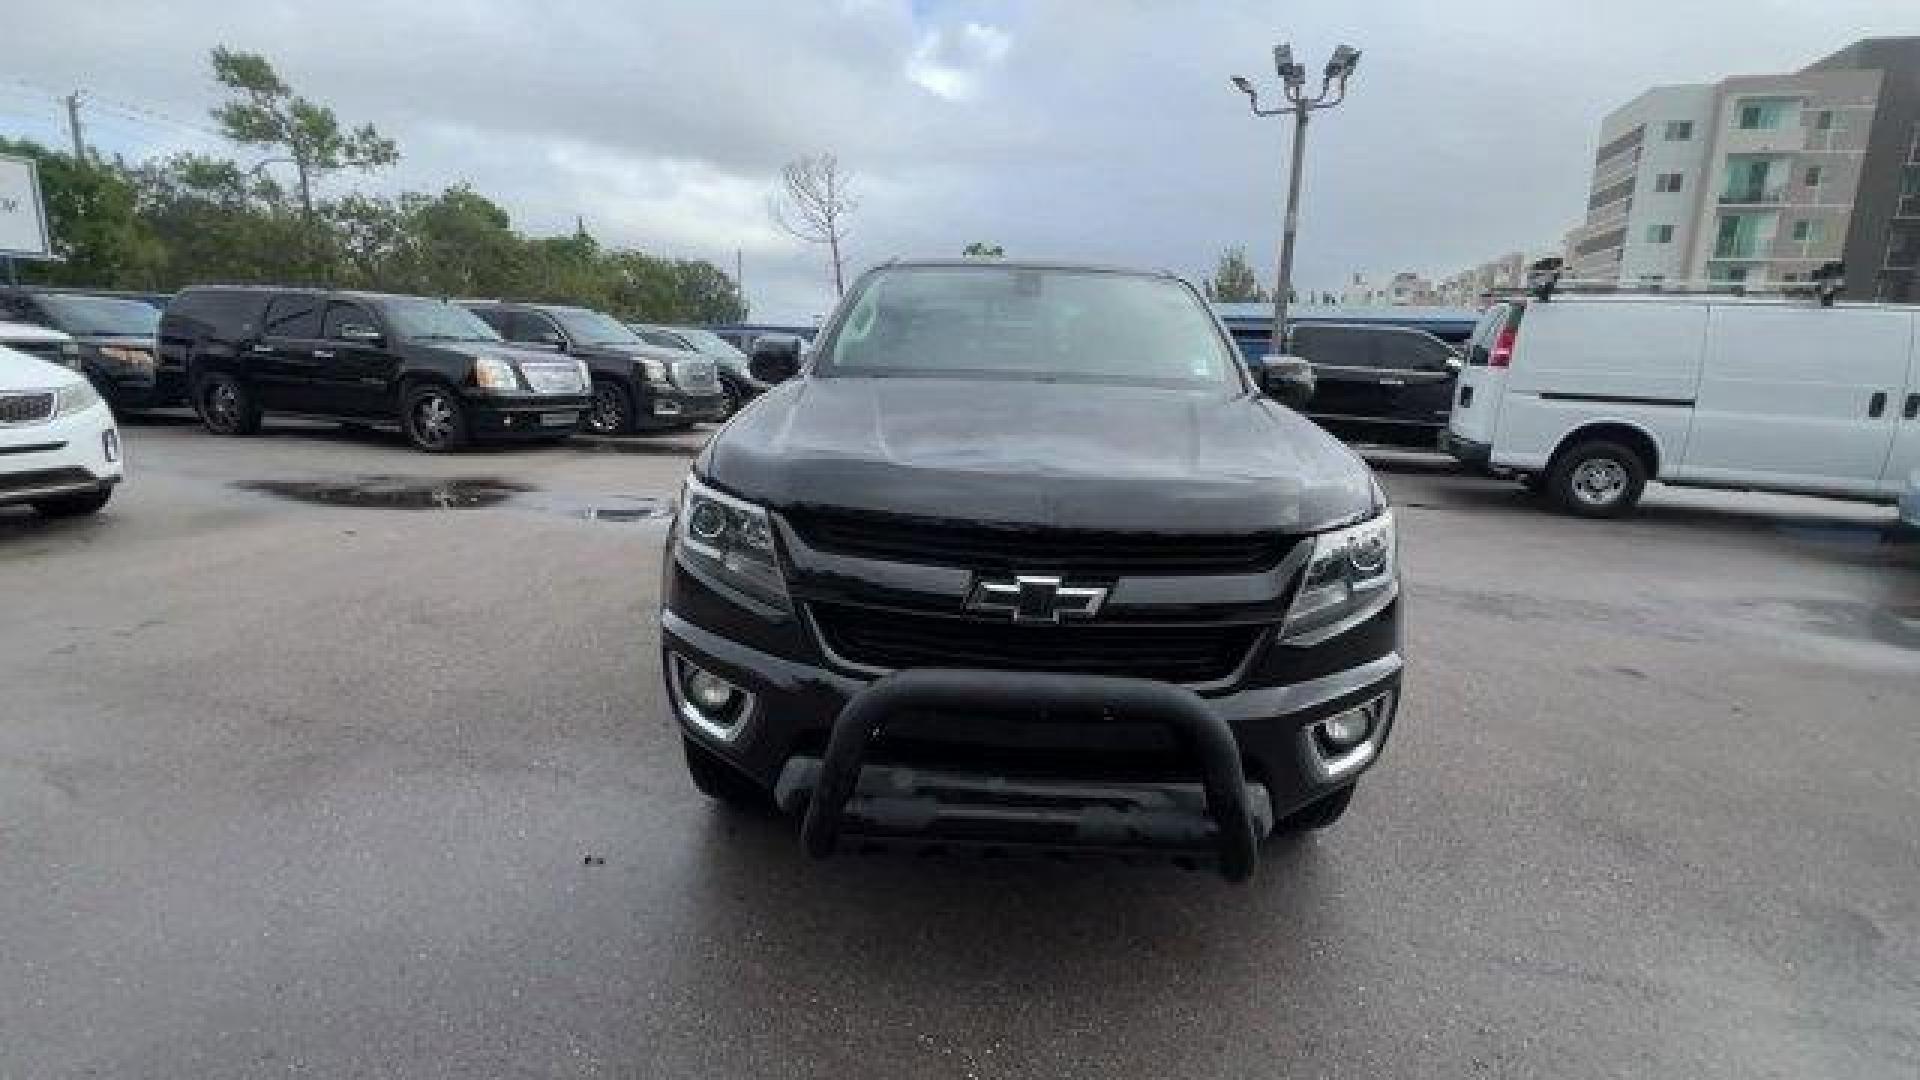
{"points": [[1098, 129]]}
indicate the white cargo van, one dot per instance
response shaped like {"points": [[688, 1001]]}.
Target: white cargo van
{"points": [[1588, 398]]}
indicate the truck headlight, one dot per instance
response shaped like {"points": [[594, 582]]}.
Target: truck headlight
{"points": [[495, 373], [1350, 575], [732, 540], [127, 357], [653, 370], [76, 398]]}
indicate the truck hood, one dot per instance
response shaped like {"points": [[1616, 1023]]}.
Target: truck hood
{"points": [[1059, 455]]}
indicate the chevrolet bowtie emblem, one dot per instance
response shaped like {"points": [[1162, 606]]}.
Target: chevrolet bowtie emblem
{"points": [[1034, 599]]}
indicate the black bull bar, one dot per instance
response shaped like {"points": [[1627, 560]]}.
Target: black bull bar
{"points": [[1229, 800]]}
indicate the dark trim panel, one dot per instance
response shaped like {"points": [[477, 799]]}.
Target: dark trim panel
{"points": [[1615, 399]]}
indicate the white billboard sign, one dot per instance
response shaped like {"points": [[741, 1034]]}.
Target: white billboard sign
{"points": [[23, 213]]}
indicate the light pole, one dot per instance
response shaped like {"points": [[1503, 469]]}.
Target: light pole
{"points": [[1293, 82]]}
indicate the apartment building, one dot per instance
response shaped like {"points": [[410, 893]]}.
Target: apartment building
{"points": [[1762, 179]]}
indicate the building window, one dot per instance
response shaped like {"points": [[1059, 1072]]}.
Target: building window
{"points": [[1659, 234], [1808, 232], [1823, 120], [1679, 130], [1667, 181], [1764, 115], [1813, 176]]}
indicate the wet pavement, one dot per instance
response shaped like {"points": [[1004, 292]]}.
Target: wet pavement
{"points": [[322, 757]]}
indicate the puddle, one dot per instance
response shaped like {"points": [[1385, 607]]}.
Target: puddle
{"points": [[394, 492], [462, 493]]}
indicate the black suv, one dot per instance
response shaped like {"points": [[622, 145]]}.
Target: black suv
{"points": [[114, 336], [1024, 556], [1389, 383], [636, 386], [428, 366]]}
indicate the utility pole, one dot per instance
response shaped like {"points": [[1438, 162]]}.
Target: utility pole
{"points": [[73, 126], [740, 280], [1333, 90]]}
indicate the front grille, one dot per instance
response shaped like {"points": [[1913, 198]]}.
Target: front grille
{"points": [[892, 640], [696, 376], [548, 378], [1071, 553], [30, 407], [36, 479]]}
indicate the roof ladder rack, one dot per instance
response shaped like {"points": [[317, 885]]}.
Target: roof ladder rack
{"points": [[1544, 280]]}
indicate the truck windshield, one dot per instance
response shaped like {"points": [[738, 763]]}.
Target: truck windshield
{"points": [[434, 320], [1029, 323], [100, 315]]}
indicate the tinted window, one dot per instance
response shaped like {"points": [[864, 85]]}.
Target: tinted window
{"points": [[1480, 345], [1336, 346], [1412, 352], [587, 327], [661, 339], [339, 315], [530, 326], [1028, 322], [293, 317], [495, 318], [17, 307]]}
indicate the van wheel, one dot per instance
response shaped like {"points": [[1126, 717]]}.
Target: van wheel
{"points": [[1597, 479], [1319, 814], [226, 406], [433, 418], [611, 412], [723, 783]]}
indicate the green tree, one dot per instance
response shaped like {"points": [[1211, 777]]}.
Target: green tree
{"points": [[98, 236], [217, 223], [267, 113], [1233, 280], [981, 250]]}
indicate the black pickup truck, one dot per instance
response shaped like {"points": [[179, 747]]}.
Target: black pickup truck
{"points": [[1026, 558]]}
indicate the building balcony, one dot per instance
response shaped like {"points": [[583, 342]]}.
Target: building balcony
{"points": [[1754, 196], [1745, 247]]}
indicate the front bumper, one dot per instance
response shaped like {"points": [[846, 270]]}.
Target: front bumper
{"points": [[661, 407], [526, 416], [66, 456], [1060, 738]]}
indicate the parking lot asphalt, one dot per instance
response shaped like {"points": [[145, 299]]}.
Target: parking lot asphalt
{"points": [[320, 756]]}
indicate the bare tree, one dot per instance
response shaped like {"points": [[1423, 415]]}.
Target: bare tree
{"points": [[813, 203]]}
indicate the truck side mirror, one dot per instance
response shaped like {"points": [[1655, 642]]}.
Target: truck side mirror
{"points": [[775, 358], [1287, 379]]}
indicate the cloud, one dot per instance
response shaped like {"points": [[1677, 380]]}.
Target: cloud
{"points": [[951, 63], [1099, 129]]}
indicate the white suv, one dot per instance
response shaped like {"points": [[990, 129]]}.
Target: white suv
{"points": [[59, 448]]}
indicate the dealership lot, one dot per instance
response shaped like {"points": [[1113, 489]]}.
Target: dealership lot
{"points": [[321, 755]]}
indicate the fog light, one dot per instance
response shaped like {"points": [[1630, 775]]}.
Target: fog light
{"points": [[707, 701], [666, 408], [708, 692], [1346, 730]]}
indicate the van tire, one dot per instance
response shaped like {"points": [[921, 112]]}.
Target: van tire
{"points": [[1597, 479]]}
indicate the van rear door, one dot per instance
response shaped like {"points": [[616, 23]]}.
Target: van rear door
{"points": [[1904, 461], [1799, 398], [1483, 377]]}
